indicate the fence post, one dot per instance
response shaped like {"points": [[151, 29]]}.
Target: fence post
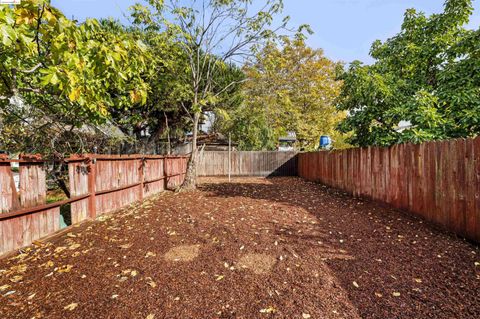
{"points": [[142, 162], [165, 173], [92, 174]]}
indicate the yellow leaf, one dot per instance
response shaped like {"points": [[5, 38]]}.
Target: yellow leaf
{"points": [[220, 277], [74, 246], [16, 278], [71, 306], [60, 249], [74, 94], [150, 254], [24, 16], [396, 294], [355, 284], [19, 268], [150, 316], [4, 287], [268, 310], [65, 268]]}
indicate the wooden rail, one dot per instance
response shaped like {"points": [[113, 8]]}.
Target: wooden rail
{"points": [[98, 184], [439, 181]]}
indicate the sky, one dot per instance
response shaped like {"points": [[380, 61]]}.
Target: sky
{"points": [[344, 29]]}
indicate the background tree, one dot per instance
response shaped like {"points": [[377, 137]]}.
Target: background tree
{"points": [[426, 75], [211, 33], [290, 87]]}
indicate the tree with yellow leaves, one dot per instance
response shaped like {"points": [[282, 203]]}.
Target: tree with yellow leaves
{"points": [[290, 87]]}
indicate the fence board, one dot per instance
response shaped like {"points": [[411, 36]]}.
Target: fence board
{"points": [[439, 181], [78, 182], [215, 163]]}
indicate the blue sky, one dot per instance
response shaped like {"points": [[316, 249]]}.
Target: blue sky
{"points": [[345, 29]]}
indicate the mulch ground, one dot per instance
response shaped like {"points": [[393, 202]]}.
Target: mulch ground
{"points": [[255, 248]]}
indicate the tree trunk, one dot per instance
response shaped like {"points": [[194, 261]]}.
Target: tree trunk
{"points": [[190, 182], [169, 145], [59, 179]]}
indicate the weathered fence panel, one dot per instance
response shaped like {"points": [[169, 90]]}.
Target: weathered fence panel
{"points": [[216, 163], [440, 181], [98, 184], [78, 181], [154, 176], [175, 169]]}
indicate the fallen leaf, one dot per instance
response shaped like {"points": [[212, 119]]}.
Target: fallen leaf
{"points": [[150, 316], [31, 296], [19, 268], [150, 254], [16, 278], [4, 287], [114, 296], [355, 284], [74, 246], [71, 306], [306, 316], [396, 294], [60, 249], [268, 310], [65, 268], [220, 277], [379, 295], [126, 246], [418, 280]]}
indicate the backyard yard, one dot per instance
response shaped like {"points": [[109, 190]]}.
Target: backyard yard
{"points": [[253, 248]]}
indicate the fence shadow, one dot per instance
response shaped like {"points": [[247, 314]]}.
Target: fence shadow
{"points": [[378, 247], [288, 168]]}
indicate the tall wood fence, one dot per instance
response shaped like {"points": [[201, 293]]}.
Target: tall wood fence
{"points": [[440, 181], [218, 163], [98, 184]]}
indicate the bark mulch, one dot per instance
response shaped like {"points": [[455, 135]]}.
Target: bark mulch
{"points": [[255, 248]]}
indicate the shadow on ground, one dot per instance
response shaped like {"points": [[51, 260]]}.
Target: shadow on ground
{"points": [[393, 265]]}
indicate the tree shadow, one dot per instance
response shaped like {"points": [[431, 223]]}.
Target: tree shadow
{"points": [[392, 264]]}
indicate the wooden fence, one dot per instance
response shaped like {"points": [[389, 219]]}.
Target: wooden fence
{"points": [[217, 163], [440, 181], [98, 184]]}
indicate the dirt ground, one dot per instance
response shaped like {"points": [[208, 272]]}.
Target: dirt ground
{"points": [[254, 248]]}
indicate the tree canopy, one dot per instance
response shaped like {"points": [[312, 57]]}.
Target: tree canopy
{"points": [[289, 87], [57, 75], [427, 76]]}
